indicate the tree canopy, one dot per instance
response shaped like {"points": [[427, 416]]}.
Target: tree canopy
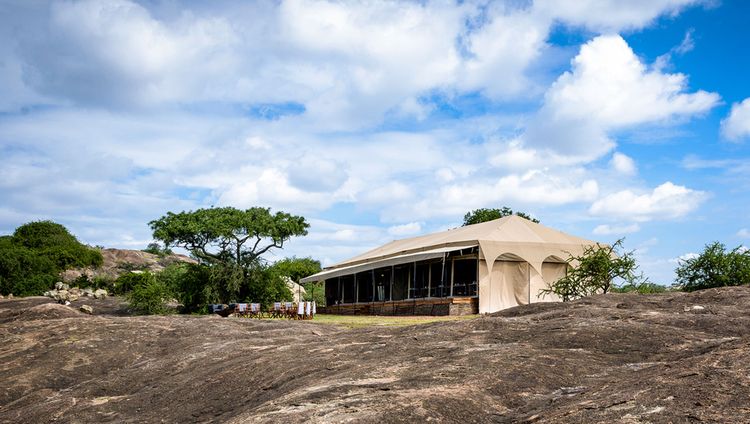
{"points": [[229, 243], [484, 214], [714, 267], [296, 268], [595, 271], [220, 235], [33, 257]]}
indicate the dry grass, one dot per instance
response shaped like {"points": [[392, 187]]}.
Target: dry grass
{"points": [[360, 321]]}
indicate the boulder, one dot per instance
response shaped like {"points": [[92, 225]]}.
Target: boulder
{"points": [[73, 297], [62, 295], [10, 296], [87, 309], [61, 286], [2, 297], [100, 294], [88, 292]]}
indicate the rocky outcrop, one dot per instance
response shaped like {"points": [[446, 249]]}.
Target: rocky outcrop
{"points": [[614, 358], [121, 261], [63, 293]]}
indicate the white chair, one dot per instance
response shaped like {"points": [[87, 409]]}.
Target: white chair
{"points": [[255, 310]]}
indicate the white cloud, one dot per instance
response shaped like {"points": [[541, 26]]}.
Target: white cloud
{"points": [[736, 126], [133, 109], [667, 201], [610, 15], [623, 164], [606, 229], [332, 242], [533, 188], [504, 46], [609, 88], [743, 233], [347, 63], [687, 44], [405, 229], [684, 257]]}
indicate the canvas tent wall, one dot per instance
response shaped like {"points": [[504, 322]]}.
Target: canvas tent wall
{"points": [[516, 258]]}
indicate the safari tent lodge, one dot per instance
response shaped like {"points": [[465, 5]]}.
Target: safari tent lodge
{"points": [[478, 268]]}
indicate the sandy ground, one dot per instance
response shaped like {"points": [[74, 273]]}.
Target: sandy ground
{"points": [[616, 358]]}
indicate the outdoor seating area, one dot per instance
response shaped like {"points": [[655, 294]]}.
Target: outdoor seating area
{"points": [[287, 310]]}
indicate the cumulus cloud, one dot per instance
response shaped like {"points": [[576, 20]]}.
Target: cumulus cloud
{"points": [[743, 233], [667, 201], [609, 88], [119, 111], [623, 164], [405, 229], [347, 64], [610, 15], [533, 188], [736, 126], [606, 229]]}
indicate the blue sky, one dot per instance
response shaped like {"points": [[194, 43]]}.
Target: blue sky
{"points": [[381, 120]]}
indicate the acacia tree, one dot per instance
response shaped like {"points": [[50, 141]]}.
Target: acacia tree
{"points": [[484, 214], [714, 267], [595, 271], [229, 240]]}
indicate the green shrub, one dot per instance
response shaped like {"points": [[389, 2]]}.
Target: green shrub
{"points": [[150, 296], [23, 272], [53, 240], [714, 267], [33, 257], [127, 282], [596, 271], [191, 288], [103, 282], [641, 288]]}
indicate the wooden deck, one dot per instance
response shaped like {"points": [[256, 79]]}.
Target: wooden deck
{"points": [[426, 306]]}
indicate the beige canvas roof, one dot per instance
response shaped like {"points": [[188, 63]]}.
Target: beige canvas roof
{"points": [[510, 236]]}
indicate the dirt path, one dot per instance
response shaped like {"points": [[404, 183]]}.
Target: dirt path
{"points": [[613, 358]]}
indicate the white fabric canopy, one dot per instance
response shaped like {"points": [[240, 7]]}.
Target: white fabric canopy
{"points": [[517, 258]]}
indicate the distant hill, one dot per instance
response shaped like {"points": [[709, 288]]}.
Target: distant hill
{"points": [[120, 261]]}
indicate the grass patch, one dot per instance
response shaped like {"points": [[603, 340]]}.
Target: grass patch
{"points": [[362, 321]]}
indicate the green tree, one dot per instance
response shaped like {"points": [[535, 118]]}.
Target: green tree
{"points": [[266, 286], [230, 243], [483, 215], [52, 240], [298, 268], [595, 271], [33, 257], [714, 267], [156, 249]]}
